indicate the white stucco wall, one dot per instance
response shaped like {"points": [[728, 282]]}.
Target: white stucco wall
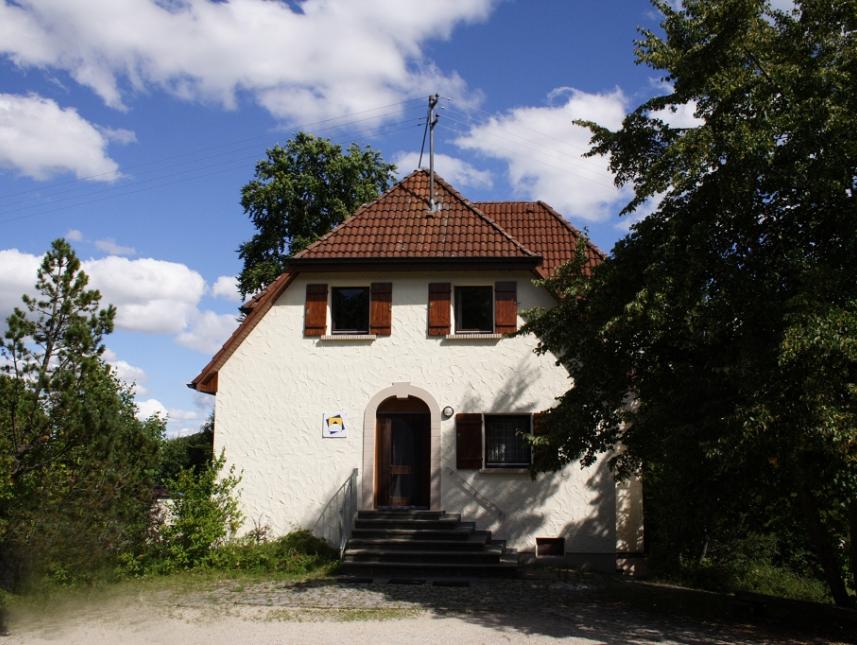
{"points": [[273, 391]]}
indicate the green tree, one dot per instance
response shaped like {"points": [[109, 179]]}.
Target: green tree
{"points": [[299, 193], [78, 467], [194, 452], [716, 349], [50, 350]]}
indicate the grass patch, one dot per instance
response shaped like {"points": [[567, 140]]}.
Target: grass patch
{"points": [[754, 577], [344, 615], [234, 567]]}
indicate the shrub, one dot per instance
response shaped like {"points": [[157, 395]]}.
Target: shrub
{"points": [[203, 514], [298, 553]]}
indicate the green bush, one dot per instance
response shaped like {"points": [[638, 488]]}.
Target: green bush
{"points": [[203, 515], [298, 553]]}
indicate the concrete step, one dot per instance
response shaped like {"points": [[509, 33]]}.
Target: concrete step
{"points": [[411, 534], [452, 558], [452, 522], [377, 568], [472, 543], [415, 514]]}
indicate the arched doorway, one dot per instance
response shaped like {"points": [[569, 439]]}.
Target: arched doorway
{"points": [[369, 476], [402, 453]]}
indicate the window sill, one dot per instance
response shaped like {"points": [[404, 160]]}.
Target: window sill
{"points": [[473, 336], [504, 471], [343, 337]]}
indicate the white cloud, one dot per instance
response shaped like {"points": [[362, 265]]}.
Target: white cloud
{"points": [[127, 373], [208, 331], [456, 171], [17, 277], [177, 414], [681, 116], [204, 403], [40, 139], [147, 408], [153, 296], [150, 295], [110, 246], [74, 235], [181, 432], [543, 151], [119, 135], [324, 59], [226, 287]]}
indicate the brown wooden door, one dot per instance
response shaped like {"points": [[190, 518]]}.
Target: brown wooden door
{"points": [[403, 460]]}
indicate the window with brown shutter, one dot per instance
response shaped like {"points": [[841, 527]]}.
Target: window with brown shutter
{"points": [[380, 320], [468, 441], [505, 307], [438, 309], [315, 310]]}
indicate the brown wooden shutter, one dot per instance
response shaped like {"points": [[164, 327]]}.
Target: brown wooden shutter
{"points": [[438, 309], [468, 441], [315, 311], [381, 311], [505, 307]]}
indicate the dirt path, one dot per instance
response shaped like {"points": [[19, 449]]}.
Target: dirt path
{"points": [[379, 612]]}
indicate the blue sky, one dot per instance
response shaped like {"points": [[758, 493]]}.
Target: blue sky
{"points": [[129, 127]]}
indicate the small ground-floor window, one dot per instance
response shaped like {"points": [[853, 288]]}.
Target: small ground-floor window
{"points": [[506, 445]]}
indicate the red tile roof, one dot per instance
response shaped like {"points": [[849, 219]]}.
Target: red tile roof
{"points": [[399, 225], [542, 230]]}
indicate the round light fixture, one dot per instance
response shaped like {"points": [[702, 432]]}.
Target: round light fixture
{"points": [[447, 412]]}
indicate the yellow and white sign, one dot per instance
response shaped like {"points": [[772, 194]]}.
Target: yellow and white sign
{"points": [[333, 426]]}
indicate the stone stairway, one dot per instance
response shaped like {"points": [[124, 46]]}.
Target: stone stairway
{"points": [[424, 543]]}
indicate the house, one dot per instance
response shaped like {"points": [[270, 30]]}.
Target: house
{"points": [[385, 347]]}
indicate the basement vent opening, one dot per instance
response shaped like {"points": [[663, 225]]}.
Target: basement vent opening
{"points": [[550, 546]]}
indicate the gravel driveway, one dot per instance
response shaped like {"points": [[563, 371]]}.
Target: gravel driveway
{"points": [[354, 611]]}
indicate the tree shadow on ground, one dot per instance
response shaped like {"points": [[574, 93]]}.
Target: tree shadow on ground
{"points": [[547, 606]]}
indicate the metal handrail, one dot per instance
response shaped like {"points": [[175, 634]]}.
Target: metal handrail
{"points": [[348, 511], [337, 517]]}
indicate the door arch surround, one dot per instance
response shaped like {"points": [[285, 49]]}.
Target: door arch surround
{"points": [[399, 391]]}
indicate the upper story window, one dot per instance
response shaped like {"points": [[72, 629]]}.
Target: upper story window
{"points": [[349, 310], [474, 310]]}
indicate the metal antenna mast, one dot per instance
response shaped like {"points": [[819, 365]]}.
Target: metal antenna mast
{"points": [[432, 121]]}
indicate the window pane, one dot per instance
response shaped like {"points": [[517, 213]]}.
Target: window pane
{"points": [[350, 310], [505, 445], [474, 309]]}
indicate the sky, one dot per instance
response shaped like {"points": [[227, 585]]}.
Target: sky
{"points": [[129, 127]]}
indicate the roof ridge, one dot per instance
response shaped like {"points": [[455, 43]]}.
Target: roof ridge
{"points": [[504, 201], [478, 212]]}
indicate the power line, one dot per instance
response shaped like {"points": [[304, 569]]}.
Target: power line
{"points": [[539, 158], [464, 111], [191, 174], [335, 129], [241, 143], [571, 158]]}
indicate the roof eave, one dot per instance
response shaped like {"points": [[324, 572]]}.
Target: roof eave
{"points": [[532, 260]]}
